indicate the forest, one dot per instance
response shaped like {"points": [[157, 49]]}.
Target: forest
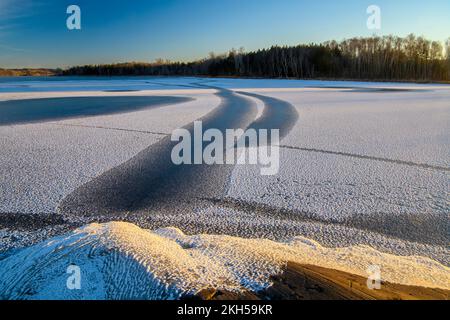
{"points": [[387, 58]]}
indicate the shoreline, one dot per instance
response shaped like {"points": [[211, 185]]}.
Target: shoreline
{"points": [[172, 265], [55, 75], [311, 282]]}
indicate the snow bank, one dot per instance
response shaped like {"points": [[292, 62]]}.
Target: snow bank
{"points": [[121, 261]]}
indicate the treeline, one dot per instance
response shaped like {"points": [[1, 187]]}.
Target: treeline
{"points": [[28, 72], [374, 58]]}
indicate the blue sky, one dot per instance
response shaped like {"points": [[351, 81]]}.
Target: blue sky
{"points": [[33, 33]]}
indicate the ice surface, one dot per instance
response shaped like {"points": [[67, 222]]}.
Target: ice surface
{"points": [[42, 163], [372, 195], [360, 166], [371, 160], [77, 84], [64, 84], [408, 126]]}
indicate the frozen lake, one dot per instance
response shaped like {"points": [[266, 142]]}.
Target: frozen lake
{"points": [[361, 163]]}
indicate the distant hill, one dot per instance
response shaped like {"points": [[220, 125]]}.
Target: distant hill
{"points": [[28, 72]]}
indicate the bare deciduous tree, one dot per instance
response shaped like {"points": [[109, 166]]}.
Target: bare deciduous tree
{"points": [[373, 58]]}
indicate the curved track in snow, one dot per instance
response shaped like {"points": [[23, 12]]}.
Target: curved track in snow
{"points": [[150, 181]]}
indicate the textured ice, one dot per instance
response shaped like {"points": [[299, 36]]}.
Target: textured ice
{"points": [[360, 166], [408, 126], [376, 161], [42, 163], [161, 120], [64, 84], [331, 187], [122, 261], [116, 84]]}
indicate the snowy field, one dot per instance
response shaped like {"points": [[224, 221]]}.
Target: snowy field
{"points": [[363, 165]]}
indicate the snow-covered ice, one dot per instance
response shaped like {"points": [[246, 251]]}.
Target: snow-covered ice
{"points": [[41, 163], [361, 167], [372, 195], [374, 160], [408, 126]]}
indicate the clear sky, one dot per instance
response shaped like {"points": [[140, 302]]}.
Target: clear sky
{"points": [[33, 33]]}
